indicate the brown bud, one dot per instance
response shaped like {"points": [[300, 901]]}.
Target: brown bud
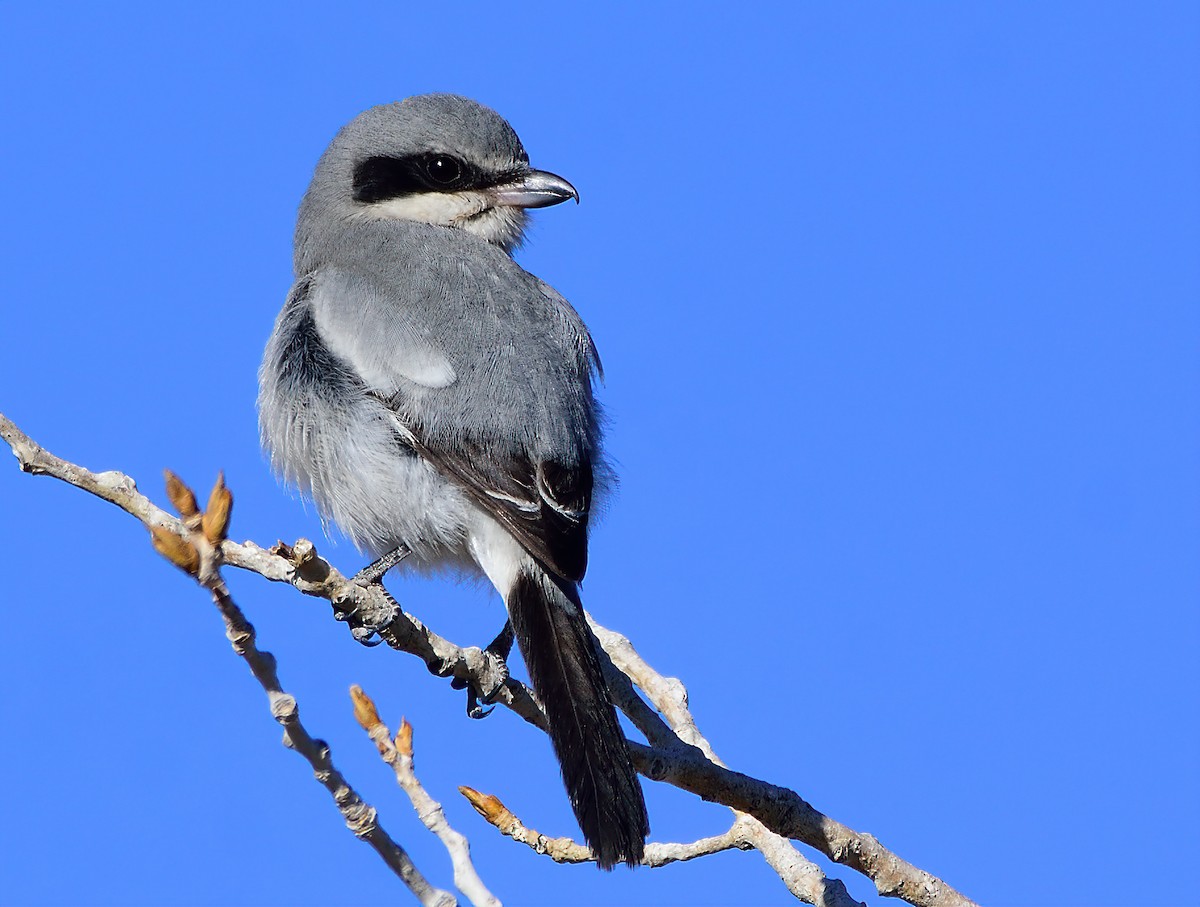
{"points": [[485, 804], [404, 738], [180, 495], [364, 709], [216, 515], [179, 552]]}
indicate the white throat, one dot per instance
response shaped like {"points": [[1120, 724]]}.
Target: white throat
{"points": [[470, 210]]}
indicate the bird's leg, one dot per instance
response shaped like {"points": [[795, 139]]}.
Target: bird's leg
{"points": [[500, 647], [374, 571], [361, 629]]}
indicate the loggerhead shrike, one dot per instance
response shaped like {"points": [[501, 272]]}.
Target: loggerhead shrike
{"points": [[433, 397]]}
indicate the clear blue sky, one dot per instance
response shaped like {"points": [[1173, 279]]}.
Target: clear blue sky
{"points": [[899, 309]]}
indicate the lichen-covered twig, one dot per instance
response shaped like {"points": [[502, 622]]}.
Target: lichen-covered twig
{"points": [[398, 753], [678, 755]]}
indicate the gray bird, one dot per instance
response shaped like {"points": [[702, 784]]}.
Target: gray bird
{"points": [[433, 397]]}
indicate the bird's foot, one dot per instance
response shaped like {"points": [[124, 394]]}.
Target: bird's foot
{"points": [[477, 699], [362, 629], [364, 626]]}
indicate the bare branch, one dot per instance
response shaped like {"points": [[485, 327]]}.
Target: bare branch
{"points": [[199, 554], [679, 756], [560, 850], [360, 817], [398, 753], [803, 878], [567, 850], [372, 606], [299, 566]]}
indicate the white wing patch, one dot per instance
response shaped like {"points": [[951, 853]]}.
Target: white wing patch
{"points": [[547, 495], [522, 505], [371, 333]]}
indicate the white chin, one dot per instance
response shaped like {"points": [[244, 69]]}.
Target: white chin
{"points": [[504, 227]]}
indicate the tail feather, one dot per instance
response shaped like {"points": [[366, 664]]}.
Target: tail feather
{"points": [[560, 653]]}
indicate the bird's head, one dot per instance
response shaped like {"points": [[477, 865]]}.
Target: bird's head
{"points": [[436, 159]]}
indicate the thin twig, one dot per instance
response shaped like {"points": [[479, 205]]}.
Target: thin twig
{"points": [[398, 753], [197, 551], [568, 850], [360, 817], [803, 878]]}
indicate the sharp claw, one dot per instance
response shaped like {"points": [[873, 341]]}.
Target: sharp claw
{"points": [[473, 708], [363, 636], [479, 714], [498, 649]]}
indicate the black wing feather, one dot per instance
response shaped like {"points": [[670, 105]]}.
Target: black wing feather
{"points": [[543, 503]]}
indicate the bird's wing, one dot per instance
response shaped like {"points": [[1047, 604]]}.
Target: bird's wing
{"points": [[385, 351], [542, 500], [543, 503]]}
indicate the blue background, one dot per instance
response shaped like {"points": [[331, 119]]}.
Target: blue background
{"points": [[898, 305]]}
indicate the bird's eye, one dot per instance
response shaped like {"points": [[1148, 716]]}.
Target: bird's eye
{"points": [[443, 169]]}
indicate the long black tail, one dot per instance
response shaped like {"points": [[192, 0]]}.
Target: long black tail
{"points": [[560, 653]]}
